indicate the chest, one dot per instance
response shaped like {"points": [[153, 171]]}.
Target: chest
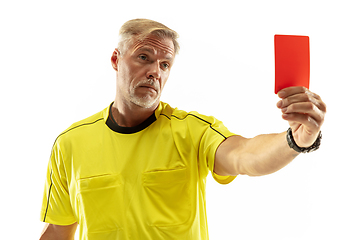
{"points": [[130, 154]]}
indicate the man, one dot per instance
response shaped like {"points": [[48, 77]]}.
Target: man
{"points": [[137, 169]]}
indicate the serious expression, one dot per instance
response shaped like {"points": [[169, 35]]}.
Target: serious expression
{"points": [[144, 69]]}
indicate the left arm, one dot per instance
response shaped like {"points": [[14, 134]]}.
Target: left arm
{"points": [[265, 154]]}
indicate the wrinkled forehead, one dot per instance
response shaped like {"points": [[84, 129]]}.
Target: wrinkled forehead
{"points": [[157, 44]]}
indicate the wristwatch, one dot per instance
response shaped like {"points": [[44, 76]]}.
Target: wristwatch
{"points": [[292, 144]]}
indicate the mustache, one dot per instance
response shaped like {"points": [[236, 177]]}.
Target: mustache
{"points": [[149, 82]]}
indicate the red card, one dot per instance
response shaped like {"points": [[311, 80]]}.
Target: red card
{"points": [[292, 61]]}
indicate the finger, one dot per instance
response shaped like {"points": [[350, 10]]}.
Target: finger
{"points": [[286, 92], [305, 108], [303, 97], [314, 95], [316, 99]]}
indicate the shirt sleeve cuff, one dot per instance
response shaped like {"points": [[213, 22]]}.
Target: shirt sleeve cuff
{"points": [[223, 179]]}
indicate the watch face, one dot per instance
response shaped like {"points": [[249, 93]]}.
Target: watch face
{"points": [[314, 148]]}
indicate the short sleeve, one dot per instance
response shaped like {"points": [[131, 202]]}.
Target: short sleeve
{"points": [[214, 134], [56, 207]]}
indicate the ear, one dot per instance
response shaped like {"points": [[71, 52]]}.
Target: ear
{"points": [[114, 59]]}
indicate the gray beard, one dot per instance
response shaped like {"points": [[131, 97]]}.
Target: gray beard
{"points": [[146, 101]]}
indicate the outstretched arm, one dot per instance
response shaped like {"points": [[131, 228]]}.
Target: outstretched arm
{"points": [[265, 154]]}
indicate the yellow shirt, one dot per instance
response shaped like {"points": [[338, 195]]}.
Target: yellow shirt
{"points": [[143, 182]]}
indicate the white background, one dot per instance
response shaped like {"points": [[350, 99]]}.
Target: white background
{"points": [[55, 70]]}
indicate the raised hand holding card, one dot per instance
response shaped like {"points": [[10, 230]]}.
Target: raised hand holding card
{"points": [[292, 61]]}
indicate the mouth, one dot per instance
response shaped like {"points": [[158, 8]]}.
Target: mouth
{"points": [[149, 87]]}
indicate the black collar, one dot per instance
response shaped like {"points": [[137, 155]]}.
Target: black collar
{"points": [[110, 122]]}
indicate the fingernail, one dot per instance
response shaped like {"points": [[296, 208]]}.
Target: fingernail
{"points": [[279, 104], [281, 93], [284, 110]]}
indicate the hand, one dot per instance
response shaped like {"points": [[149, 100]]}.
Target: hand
{"points": [[305, 112]]}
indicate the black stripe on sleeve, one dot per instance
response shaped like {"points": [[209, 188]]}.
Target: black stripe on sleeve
{"points": [[47, 205], [84, 124]]}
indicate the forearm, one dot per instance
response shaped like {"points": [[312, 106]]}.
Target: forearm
{"points": [[264, 154]]}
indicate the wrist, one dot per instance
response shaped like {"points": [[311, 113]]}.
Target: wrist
{"points": [[292, 144]]}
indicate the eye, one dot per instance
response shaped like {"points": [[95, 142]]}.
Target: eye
{"points": [[165, 65], [143, 57]]}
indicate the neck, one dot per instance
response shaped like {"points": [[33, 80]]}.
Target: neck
{"points": [[130, 115]]}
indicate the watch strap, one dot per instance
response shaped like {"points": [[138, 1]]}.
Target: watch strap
{"points": [[293, 145]]}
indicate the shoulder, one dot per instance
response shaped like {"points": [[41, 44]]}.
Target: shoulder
{"points": [[192, 121], [176, 114], [79, 127]]}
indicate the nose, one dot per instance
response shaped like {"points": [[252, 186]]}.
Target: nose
{"points": [[153, 71]]}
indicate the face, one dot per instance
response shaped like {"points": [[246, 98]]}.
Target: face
{"points": [[143, 70]]}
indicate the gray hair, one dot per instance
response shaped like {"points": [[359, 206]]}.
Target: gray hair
{"points": [[141, 28]]}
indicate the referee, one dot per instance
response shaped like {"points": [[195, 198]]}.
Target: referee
{"points": [[137, 169]]}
